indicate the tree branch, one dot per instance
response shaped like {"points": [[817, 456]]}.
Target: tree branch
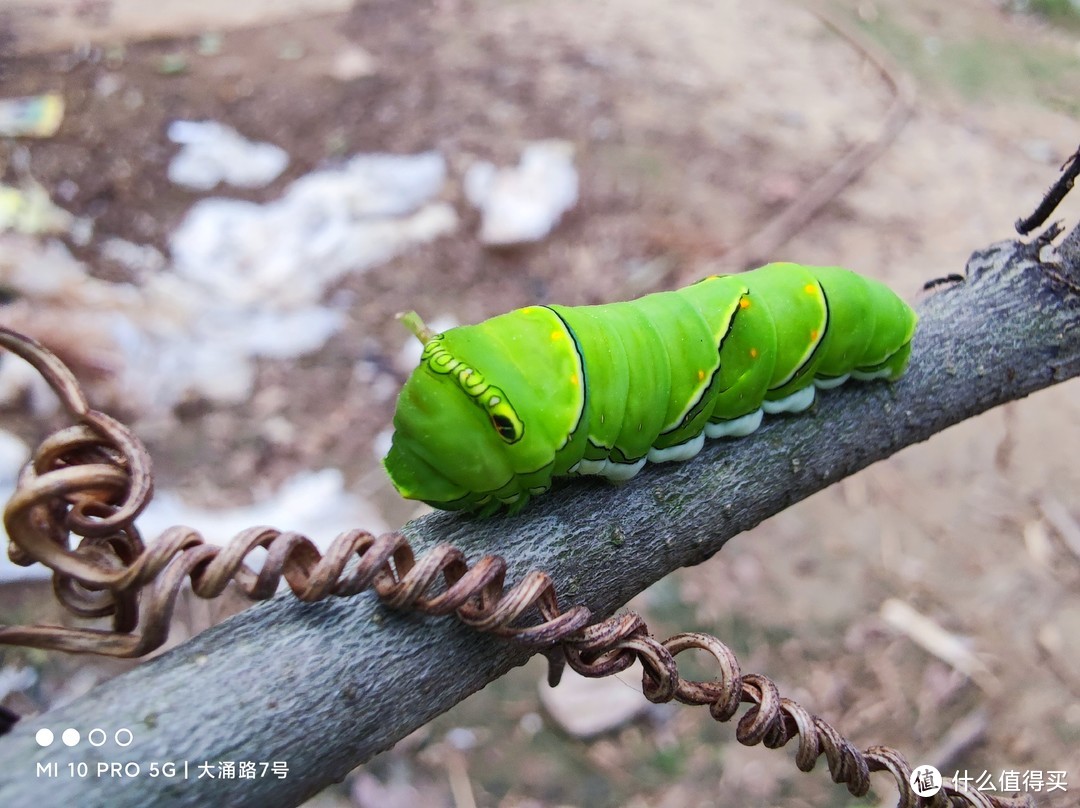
{"points": [[325, 686]]}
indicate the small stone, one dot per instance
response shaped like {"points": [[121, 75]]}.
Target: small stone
{"points": [[461, 738], [585, 708], [108, 84], [351, 63], [523, 203]]}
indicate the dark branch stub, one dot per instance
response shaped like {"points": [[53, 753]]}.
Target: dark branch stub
{"points": [[1053, 197], [945, 280], [8, 719]]}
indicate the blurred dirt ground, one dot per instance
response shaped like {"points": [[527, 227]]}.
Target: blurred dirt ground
{"points": [[695, 122]]}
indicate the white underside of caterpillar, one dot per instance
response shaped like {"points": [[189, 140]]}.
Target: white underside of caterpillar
{"points": [[798, 401]]}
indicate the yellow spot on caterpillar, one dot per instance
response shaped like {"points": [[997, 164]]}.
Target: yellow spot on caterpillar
{"points": [[813, 335], [753, 353], [701, 375], [810, 289], [744, 303], [574, 379], [556, 335]]}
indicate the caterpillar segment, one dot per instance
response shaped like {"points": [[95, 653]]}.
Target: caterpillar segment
{"points": [[496, 411]]}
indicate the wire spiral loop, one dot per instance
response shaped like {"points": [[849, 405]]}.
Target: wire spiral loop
{"points": [[74, 511]]}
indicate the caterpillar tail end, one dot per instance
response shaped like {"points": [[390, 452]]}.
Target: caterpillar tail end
{"points": [[890, 370]]}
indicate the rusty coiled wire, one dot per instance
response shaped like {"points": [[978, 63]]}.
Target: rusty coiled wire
{"points": [[92, 480]]}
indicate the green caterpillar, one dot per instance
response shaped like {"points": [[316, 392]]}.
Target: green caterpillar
{"points": [[496, 411]]}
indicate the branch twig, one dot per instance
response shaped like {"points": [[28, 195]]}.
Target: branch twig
{"points": [[1070, 170]]}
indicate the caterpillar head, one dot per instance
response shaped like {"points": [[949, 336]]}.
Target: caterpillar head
{"points": [[480, 421]]}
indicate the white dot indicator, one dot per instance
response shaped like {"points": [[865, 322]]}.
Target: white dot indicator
{"points": [[123, 737], [70, 736], [44, 737]]}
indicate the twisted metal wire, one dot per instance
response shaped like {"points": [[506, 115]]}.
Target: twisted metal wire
{"points": [[92, 480]]}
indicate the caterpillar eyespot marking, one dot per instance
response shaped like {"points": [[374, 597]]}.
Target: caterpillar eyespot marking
{"points": [[600, 390]]}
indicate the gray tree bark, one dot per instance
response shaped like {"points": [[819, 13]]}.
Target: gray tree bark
{"points": [[325, 686]]}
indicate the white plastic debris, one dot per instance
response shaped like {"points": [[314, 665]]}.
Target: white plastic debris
{"points": [[47, 273], [213, 153], [16, 680], [58, 302], [315, 503], [141, 259], [247, 281], [328, 223], [260, 271], [523, 203], [14, 454]]}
